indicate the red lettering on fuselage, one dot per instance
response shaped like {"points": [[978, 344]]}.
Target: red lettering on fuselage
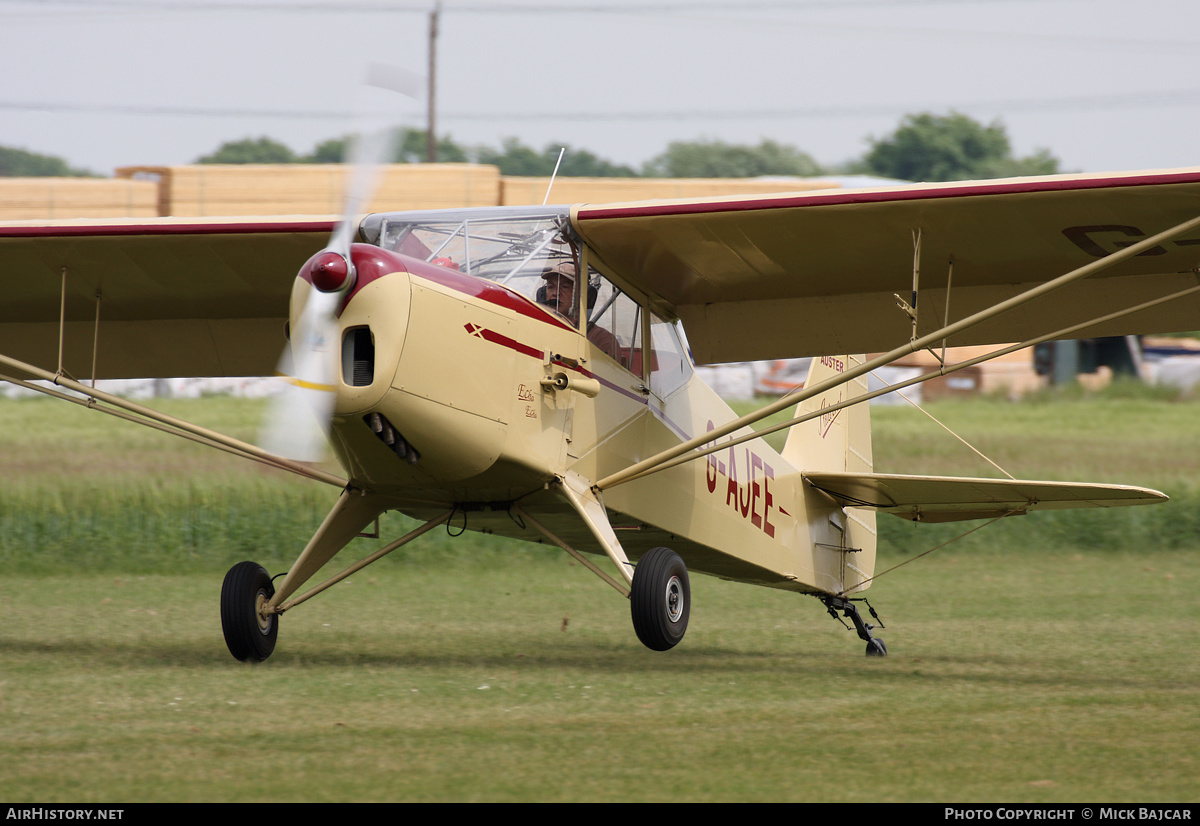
{"points": [[752, 500], [756, 463]]}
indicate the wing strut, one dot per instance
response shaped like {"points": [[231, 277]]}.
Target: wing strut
{"points": [[911, 309], [131, 411], [660, 460]]}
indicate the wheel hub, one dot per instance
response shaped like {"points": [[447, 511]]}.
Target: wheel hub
{"points": [[265, 618], [674, 596]]}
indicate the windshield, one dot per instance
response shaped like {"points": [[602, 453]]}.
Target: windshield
{"points": [[514, 249]]}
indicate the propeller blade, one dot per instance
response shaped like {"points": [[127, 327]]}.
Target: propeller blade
{"points": [[370, 147], [298, 417]]}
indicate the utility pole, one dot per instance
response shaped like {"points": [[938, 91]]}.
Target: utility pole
{"points": [[430, 132]]}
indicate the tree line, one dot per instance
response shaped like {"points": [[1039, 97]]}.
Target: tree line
{"points": [[924, 147]]}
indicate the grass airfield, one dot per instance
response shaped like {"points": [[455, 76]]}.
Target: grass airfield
{"points": [[1050, 658]]}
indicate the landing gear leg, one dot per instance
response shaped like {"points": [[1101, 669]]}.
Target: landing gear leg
{"points": [[875, 646]]}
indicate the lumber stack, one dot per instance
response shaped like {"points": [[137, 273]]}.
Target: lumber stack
{"points": [[317, 189], [516, 191], [24, 199], [314, 189]]}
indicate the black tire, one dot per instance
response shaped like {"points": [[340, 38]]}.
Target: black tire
{"points": [[876, 648], [248, 637], [660, 599]]}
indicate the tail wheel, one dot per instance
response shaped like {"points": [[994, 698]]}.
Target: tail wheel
{"points": [[660, 599], [249, 633]]}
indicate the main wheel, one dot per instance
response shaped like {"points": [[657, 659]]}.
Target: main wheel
{"points": [[249, 635], [660, 599]]}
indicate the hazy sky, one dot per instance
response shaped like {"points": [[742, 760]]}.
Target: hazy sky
{"points": [[1103, 84]]}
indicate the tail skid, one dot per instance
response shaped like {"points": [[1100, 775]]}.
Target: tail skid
{"points": [[875, 646]]}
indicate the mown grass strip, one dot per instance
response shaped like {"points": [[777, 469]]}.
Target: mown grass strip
{"points": [[1045, 661]]}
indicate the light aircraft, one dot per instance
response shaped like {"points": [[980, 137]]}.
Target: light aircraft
{"points": [[528, 371]]}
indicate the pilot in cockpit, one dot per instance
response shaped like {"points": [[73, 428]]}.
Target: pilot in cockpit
{"points": [[559, 295]]}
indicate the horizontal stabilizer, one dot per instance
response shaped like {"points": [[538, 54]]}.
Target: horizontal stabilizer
{"points": [[949, 498]]}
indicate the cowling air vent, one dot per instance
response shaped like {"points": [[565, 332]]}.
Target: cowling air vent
{"points": [[358, 357], [391, 437]]}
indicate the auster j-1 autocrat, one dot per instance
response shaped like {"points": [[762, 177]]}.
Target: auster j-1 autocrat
{"points": [[528, 371]]}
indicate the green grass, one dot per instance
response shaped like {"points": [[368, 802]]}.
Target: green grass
{"points": [[1054, 664], [1032, 682]]}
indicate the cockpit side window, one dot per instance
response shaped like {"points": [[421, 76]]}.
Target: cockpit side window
{"points": [[615, 324], [670, 363]]}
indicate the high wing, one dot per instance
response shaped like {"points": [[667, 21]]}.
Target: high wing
{"points": [[173, 297], [947, 499], [818, 273]]}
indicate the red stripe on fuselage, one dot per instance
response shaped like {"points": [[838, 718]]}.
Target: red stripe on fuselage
{"points": [[503, 340]]}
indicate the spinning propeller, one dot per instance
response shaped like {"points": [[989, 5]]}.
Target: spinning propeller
{"points": [[299, 416]]}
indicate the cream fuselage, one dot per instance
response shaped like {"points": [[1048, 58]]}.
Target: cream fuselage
{"points": [[458, 367]]}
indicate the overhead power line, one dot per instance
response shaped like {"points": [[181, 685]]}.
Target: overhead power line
{"points": [[423, 6], [1183, 97]]}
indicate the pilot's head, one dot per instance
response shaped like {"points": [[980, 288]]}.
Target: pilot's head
{"points": [[560, 287]]}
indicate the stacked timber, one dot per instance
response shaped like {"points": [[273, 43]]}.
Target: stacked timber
{"points": [[28, 199], [314, 189], [317, 189], [516, 191]]}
